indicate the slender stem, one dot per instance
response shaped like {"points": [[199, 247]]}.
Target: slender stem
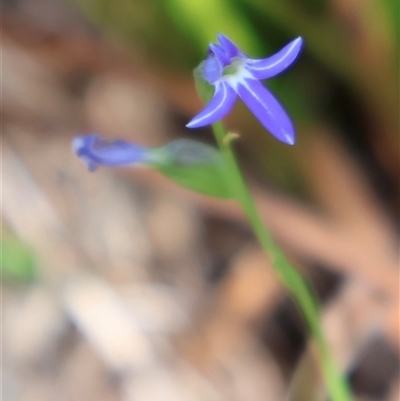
{"points": [[290, 277]]}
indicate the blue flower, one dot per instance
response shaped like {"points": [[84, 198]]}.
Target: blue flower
{"points": [[95, 151], [232, 73], [191, 164]]}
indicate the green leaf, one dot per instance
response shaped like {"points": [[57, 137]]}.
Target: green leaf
{"points": [[18, 262], [195, 166]]}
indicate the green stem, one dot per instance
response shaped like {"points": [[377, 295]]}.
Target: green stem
{"points": [[290, 277]]}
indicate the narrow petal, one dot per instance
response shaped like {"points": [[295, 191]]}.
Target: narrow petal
{"points": [[228, 46], [219, 106], [274, 65], [267, 109], [219, 53], [95, 151]]}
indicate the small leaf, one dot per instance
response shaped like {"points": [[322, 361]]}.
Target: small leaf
{"points": [[195, 166], [18, 262]]}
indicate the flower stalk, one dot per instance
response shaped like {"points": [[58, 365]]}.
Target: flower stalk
{"points": [[296, 284]]}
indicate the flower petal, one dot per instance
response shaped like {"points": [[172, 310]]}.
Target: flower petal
{"points": [[95, 151], [212, 69], [228, 46], [267, 109], [274, 65], [219, 53], [217, 108]]}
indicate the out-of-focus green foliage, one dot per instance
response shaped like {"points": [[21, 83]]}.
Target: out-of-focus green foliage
{"points": [[18, 262], [393, 11], [204, 19], [145, 26]]}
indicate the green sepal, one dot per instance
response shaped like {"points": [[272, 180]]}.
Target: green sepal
{"points": [[204, 89]]}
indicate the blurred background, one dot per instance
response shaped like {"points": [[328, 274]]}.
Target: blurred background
{"points": [[119, 285]]}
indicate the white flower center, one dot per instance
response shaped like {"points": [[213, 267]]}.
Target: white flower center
{"points": [[236, 72]]}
